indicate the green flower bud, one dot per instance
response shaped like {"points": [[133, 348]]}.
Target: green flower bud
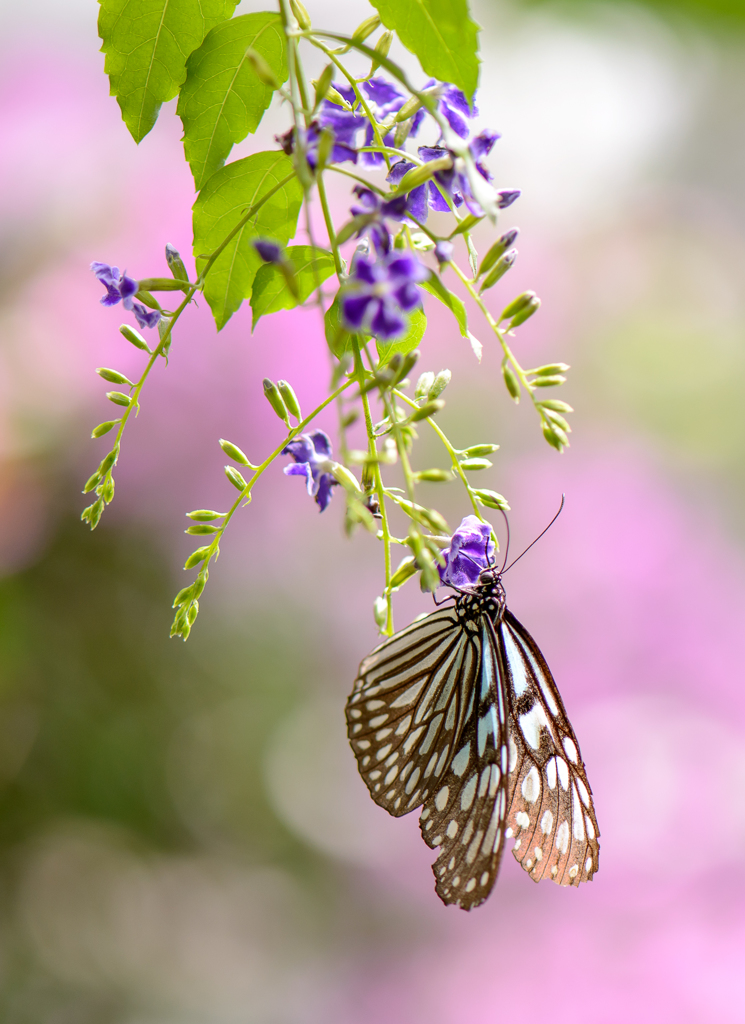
{"points": [[408, 110], [478, 450], [555, 436], [408, 362], [517, 305], [147, 298], [202, 529], [233, 452], [366, 28], [428, 409], [196, 557], [503, 264], [303, 18], [290, 399], [322, 83], [428, 517], [382, 47], [104, 428], [161, 284], [405, 571], [176, 264], [442, 476], [192, 612], [500, 246], [113, 376], [134, 338], [472, 465], [263, 72], [491, 499], [201, 581], [548, 382], [106, 490], [93, 513], [346, 478], [466, 225], [424, 383], [550, 369], [204, 515], [556, 405], [525, 313], [182, 597], [418, 175], [275, 399], [91, 482], [558, 420], [511, 381], [439, 384], [118, 398], [109, 460], [235, 478], [430, 579], [380, 612]]}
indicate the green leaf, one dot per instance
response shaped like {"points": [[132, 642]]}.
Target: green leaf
{"points": [[270, 293], [435, 287], [146, 43], [338, 338], [414, 334], [221, 206], [440, 33], [222, 100]]}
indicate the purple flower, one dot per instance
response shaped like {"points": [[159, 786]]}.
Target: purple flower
{"points": [[340, 151], [443, 252], [120, 288], [454, 107], [471, 551], [312, 455], [374, 210], [380, 291], [507, 197], [269, 251]]}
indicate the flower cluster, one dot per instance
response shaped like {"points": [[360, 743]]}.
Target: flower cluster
{"points": [[120, 288], [312, 455], [471, 551], [380, 290]]}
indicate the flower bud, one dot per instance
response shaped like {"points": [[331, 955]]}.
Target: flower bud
{"points": [[322, 83], [501, 245], [468, 222], [113, 376], [409, 108], [548, 382], [418, 175], [263, 72], [303, 18], [525, 312], [428, 517], [550, 368], [382, 47], [556, 405], [183, 596], [204, 515], [405, 571], [511, 381], [558, 420], [325, 147], [201, 529], [380, 612], [233, 452], [439, 384], [134, 338], [92, 514], [175, 263], [435, 476], [555, 436], [517, 305], [270, 252], [346, 478], [491, 499], [235, 478], [474, 464], [443, 252], [507, 197], [478, 450], [196, 557], [118, 398], [192, 612], [108, 461], [104, 428], [275, 400], [428, 409], [366, 28], [91, 482], [503, 264], [160, 284], [424, 383], [290, 399]]}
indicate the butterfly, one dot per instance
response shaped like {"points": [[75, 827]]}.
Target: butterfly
{"points": [[459, 714]]}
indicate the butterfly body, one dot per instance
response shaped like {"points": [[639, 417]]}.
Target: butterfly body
{"points": [[459, 714]]}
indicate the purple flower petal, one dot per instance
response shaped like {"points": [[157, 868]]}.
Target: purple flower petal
{"points": [[269, 251], [443, 252], [387, 323], [301, 469], [323, 497], [455, 98], [455, 121], [471, 551], [381, 93], [145, 317], [301, 448], [483, 143], [321, 443], [354, 308], [507, 197]]}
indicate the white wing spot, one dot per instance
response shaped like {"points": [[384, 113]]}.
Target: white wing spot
{"points": [[424, 815], [430, 766], [551, 773], [588, 865], [460, 761], [484, 878], [471, 885], [428, 740], [485, 775], [531, 724], [410, 695], [509, 833], [412, 739], [413, 780], [456, 881], [363, 744], [436, 842], [554, 870], [467, 833], [547, 822], [442, 798], [397, 803], [366, 761], [383, 752], [590, 827], [403, 726], [392, 759], [578, 827], [382, 734], [516, 663], [574, 871], [474, 847], [513, 755], [451, 863], [378, 720], [518, 844], [452, 830], [443, 757], [373, 705], [538, 853], [563, 772], [562, 837], [531, 787], [391, 775], [522, 819], [356, 728], [570, 748], [582, 788], [494, 780], [375, 775], [528, 864], [355, 713], [469, 792]]}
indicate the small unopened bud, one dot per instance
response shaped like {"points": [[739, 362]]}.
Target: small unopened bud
{"points": [[380, 612], [204, 515], [507, 197], [113, 376], [275, 400], [409, 108], [366, 28], [502, 244], [511, 381], [444, 252], [405, 571], [478, 450], [236, 478], [526, 303], [503, 264], [474, 464], [233, 452], [548, 381], [134, 338], [468, 222], [418, 175], [263, 72], [196, 557], [382, 47], [269, 251], [325, 148], [118, 398], [303, 18], [491, 499], [322, 83], [290, 399], [202, 529], [555, 436], [104, 428], [108, 461], [346, 478], [91, 482], [439, 384], [435, 476], [428, 409], [176, 264], [556, 405], [424, 383]]}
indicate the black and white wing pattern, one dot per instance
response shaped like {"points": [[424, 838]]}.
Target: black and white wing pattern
{"points": [[408, 707], [551, 814], [465, 816]]}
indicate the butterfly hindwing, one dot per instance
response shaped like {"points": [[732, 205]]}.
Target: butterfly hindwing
{"points": [[408, 706], [551, 813], [465, 816]]}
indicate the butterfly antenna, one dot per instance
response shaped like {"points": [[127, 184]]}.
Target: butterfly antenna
{"points": [[539, 535], [507, 542]]}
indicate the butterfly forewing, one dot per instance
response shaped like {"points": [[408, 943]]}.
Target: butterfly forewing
{"points": [[465, 816], [550, 812], [408, 706]]}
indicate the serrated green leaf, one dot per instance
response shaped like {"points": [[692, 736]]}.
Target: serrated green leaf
{"points": [[223, 202], [222, 100], [435, 287], [147, 43], [311, 266], [414, 333], [440, 33]]}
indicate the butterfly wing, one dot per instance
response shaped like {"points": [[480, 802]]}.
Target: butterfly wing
{"points": [[408, 706], [551, 812], [465, 816]]}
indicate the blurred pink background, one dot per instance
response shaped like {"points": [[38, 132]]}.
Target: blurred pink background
{"points": [[264, 885]]}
